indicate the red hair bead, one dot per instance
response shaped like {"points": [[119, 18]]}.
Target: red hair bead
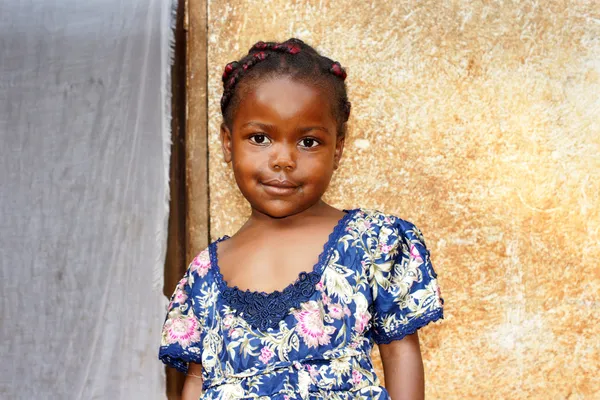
{"points": [[229, 69], [261, 55], [293, 48], [260, 45], [337, 70]]}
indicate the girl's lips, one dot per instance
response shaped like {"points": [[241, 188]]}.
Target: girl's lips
{"points": [[279, 188]]}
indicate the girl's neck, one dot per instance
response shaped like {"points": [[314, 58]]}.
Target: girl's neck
{"points": [[319, 209]]}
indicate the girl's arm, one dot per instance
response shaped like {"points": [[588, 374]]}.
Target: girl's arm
{"points": [[403, 368], [192, 387]]}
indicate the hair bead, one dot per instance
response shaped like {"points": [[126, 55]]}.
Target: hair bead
{"points": [[337, 70], [259, 46], [229, 68], [261, 55], [293, 48]]}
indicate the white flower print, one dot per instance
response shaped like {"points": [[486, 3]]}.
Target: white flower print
{"points": [[340, 366], [362, 315], [304, 382], [231, 391]]}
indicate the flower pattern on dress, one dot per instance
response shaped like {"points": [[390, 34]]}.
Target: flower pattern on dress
{"points": [[181, 329], [180, 295], [311, 326], [337, 311], [266, 354], [374, 283], [201, 263]]}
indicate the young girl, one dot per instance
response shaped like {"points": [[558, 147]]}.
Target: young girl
{"points": [[291, 305]]}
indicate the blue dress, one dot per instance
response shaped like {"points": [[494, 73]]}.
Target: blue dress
{"points": [[373, 283]]}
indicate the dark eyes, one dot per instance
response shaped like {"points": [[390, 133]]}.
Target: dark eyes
{"points": [[308, 143], [263, 139], [259, 139]]}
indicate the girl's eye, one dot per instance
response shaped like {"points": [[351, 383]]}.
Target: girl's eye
{"points": [[308, 142], [259, 139]]}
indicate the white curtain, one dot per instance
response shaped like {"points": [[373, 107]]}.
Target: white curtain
{"points": [[84, 158]]}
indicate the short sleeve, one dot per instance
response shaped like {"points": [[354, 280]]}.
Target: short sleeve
{"points": [[180, 340], [406, 294]]}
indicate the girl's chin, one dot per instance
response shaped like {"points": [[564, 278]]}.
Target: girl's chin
{"points": [[281, 208]]}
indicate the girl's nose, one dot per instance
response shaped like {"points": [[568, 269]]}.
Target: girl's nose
{"points": [[282, 158]]}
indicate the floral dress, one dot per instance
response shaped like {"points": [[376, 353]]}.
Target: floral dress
{"points": [[373, 283]]}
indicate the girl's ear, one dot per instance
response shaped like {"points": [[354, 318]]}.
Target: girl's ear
{"points": [[226, 142], [339, 149]]}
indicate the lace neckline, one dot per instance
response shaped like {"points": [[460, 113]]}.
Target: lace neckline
{"points": [[264, 310]]}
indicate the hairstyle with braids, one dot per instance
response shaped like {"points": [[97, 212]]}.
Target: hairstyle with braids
{"points": [[292, 58]]}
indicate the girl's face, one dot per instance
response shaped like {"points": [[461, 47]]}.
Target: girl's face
{"points": [[283, 145]]}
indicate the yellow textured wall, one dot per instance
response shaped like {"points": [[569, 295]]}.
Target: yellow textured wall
{"points": [[480, 123]]}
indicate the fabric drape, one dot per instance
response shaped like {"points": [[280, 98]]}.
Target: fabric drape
{"points": [[84, 159]]}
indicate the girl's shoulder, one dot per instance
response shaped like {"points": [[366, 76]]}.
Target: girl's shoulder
{"points": [[379, 228], [199, 268], [201, 263], [376, 220]]}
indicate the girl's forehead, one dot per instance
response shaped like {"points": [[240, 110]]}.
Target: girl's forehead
{"points": [[285, 98], [286, 89]]}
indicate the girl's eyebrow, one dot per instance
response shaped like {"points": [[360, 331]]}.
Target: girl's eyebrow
{"points": [[265, 127], [314, 128], [257, 124]]}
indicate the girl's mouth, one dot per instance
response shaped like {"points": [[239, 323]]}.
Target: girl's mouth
{"points": [[278, 187]]}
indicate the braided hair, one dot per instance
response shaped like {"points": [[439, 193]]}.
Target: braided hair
{"points": [[293, 58]]}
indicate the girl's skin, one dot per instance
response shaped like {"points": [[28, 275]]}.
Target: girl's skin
{"points": [[284, 147]]}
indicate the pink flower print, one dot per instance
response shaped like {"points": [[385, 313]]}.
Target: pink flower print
{"points": [[180, 296], [325, 299], [362, 320], [228, 321], [320, 287], [235, 333], [356, 377], [313, 371], [310, 325], [336, 311], [415, 253], [181, 329], [286, 397], [385, 248], [201, 263], [265, 355]]}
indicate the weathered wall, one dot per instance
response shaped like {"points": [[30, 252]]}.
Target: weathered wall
{"points": [[479, 123]]}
